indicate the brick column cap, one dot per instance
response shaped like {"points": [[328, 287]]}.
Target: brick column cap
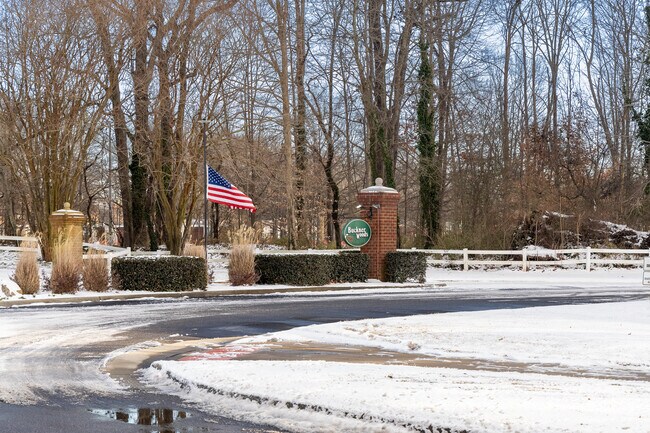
{"points": [[379, 187]]}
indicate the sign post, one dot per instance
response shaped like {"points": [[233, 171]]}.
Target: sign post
{"points": [[646, 271], [356, 233]]}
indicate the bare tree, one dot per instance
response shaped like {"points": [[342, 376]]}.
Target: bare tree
{"points": [[51, 101], [375, 38], [113, 55], [609, 43], [322, 108]]}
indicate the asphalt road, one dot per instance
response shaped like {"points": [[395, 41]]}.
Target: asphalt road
{"points": [[52, 367]]}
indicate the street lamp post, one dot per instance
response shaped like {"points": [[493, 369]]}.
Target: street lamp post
{"points": [[110, 187], [205, 188]]}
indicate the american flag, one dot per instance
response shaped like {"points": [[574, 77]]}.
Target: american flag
{"points": [[223, 192]]}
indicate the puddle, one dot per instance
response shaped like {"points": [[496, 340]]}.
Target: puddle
{"points": [[146, 416]]}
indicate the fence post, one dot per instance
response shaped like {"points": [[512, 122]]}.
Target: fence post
{"points": [[588, 261], [109, 262], [524, 261], [465, 260]]}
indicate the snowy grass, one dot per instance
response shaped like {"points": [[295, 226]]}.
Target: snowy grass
{"points": [[550, 369], [438, 280]]}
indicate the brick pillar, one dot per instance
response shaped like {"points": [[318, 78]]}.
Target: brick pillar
{"points": [[379, 210]]}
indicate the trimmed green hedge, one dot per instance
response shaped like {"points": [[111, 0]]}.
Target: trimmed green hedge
{"points": [[311, 269], [294, 269], [159, 274], [405, 266], [350, 267]]}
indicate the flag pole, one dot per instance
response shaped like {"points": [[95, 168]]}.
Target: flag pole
{"points": [[205, 189]]}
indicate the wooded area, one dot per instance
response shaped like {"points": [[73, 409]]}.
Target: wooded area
{"points": [[480, 112]]}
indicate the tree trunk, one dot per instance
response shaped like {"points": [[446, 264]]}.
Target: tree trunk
{"points": [[119, 122], [300, 133], [141, 207], [282, 10], [428, 169]]}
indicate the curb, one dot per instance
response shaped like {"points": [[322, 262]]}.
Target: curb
{"points": [[201, 294]]}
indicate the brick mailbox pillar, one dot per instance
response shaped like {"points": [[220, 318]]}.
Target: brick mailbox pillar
{"points": [[379, 210], [67, 225]]}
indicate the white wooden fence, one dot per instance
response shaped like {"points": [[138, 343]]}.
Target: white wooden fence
{"points": [[525, 259], [220, 257], [532, 258], [110, 253], [17, 240], [587, 258]]}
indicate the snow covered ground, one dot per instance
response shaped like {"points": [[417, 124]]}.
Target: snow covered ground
{"points": [[582, 368], [549, 369], [439, 280]]}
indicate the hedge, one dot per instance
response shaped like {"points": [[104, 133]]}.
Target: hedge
{"points": [[159, 274], [311, 269], [350, 267], [405, 266]]}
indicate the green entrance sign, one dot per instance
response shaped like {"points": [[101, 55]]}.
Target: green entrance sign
{"points": [[356, 233]]}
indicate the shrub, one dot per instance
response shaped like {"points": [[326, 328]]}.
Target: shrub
{"points": [[95, 272], [66, 266], [244, 236], [405, 266], [192, 250], [27, 274], [311, 269], [241, 267], [349, 267], [294, 269], [159, 274]]}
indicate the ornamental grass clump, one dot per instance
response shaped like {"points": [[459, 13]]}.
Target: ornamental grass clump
{"points": [[193, 250], [66, 266], [27, 273], [241, 269], [95, 271]]}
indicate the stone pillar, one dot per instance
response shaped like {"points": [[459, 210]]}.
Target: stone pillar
{"points": [[67, 224], [379, 210]]}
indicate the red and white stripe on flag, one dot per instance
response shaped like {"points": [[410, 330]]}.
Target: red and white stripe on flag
{"points": [[220, 191]]}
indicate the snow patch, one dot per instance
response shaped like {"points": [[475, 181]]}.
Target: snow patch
{"points": [[578, 368]]}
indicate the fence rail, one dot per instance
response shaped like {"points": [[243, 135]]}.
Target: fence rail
{"points": [[17, 240], [531, 258], [111, 253], [221, 256], [465, 258], [525, 259]]}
